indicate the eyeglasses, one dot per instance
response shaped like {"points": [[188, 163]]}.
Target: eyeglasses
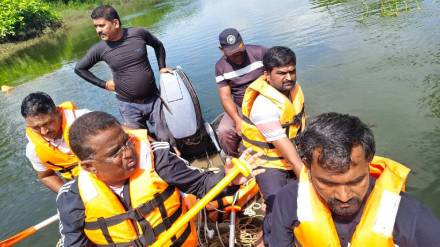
{"points": [[127, 145], [124, 147]]}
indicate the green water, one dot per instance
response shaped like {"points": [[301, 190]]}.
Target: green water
{"points": [[352, 58]]}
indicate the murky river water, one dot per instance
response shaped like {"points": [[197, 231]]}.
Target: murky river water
{"points": [[354, 57]]}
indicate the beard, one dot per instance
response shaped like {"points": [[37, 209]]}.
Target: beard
{"points": [[344, 210]]}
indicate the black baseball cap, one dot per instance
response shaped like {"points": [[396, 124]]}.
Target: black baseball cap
{"points": [[230, 41]]}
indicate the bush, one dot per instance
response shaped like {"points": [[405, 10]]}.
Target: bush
{"points": [[23, 19]]}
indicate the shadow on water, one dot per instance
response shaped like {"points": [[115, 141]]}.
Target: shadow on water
{"points": [[70, 44]]}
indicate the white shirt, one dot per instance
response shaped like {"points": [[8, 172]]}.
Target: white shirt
{"points": [[266, 117], [60, 143]]}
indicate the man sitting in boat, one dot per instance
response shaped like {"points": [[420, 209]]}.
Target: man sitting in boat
{"points": [[273, 114], [346, 196], [239, 66], [127, 192], [47, 128]]}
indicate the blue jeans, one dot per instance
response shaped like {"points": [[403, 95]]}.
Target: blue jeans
{"points": [[139, 115]]}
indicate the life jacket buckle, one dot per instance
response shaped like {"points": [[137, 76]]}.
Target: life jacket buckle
{"points": [[136, 214]]}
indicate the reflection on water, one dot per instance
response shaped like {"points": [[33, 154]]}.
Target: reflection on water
{"points": [[383, 69]]}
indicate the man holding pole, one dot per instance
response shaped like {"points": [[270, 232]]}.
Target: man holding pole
{"points": [[128, 191]]}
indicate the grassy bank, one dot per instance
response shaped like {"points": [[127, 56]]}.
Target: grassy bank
{"points": [[73, 14]]}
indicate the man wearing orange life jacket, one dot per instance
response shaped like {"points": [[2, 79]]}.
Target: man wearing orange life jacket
{"points": [[273, 114], [127, 192], [346, 196], [47, 128]]}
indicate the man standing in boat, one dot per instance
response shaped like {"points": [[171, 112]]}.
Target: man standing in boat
{"points": [[128, 190], [346, 196], [47, 128], [125, 51], [239, 66], [273, 114]]}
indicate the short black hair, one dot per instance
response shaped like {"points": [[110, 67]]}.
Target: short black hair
{"points": [[107, 12], [88, 125], [278, 56], [335, 134], [37, 103]]}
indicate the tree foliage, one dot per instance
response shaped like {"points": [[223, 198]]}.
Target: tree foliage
{"points": [[23, 19]]}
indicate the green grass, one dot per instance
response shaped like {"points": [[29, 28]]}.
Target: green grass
{"points": [[73, 14]]}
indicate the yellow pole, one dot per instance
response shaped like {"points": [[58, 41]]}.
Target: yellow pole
{"points": [[239, 167]]}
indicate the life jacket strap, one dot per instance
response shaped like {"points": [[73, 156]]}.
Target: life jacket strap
{"points": [[104, 228], [296, 119], [144, 241], [266, 145], [266, 157], [138, 215], [68, 169], [221, 206]]}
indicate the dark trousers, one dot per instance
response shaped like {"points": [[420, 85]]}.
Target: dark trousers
{"points": [[270, 182], [138, 115], [228, 138]]}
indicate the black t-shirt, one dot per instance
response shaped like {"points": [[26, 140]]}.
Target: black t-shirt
{"points": [[128, 61], [415, 225]]}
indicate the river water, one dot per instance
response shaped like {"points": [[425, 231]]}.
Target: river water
{"points": [[357, 57]]}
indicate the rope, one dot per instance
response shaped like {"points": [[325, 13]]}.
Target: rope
{"points": [[218, 234], [199, 223]]}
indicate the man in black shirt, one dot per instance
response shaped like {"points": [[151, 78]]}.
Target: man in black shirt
{"points": [[125, 51], [346, 196]]}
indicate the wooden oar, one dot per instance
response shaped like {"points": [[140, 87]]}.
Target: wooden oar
{"points": [[28, 232]]}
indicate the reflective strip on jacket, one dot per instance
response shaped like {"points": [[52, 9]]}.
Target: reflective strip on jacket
{"points": [[316, 227], [292, 119], [50, 156], [155, 206]]}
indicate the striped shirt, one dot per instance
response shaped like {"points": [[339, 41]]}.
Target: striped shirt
{"points": [[238, 77]]}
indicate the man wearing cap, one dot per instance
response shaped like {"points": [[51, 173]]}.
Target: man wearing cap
{"points": [[235, 70]]}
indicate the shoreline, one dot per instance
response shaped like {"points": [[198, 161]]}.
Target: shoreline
{"points": [[72, 15]]}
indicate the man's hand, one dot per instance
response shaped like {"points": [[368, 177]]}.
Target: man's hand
{"points": [[51, 180], [252, 161], [177, 151], [166, 70], [238, 126], [110, 85]]}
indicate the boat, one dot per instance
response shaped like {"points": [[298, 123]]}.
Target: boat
{"points": [[198, 143]]}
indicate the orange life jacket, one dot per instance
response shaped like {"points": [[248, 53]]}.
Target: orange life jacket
{"points": [[155, 206], [316, 227], [292, 119]]}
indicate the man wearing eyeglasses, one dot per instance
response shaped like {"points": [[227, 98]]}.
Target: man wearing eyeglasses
{"points": [[128, 190], [47, 127]]}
